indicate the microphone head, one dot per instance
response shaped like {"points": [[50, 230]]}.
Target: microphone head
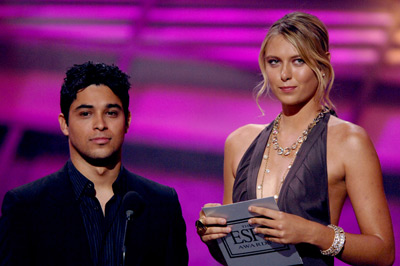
{"points": [[132, 203], [129, 214]]}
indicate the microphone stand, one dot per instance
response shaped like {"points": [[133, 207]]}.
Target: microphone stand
{"points": [[129, 214]]}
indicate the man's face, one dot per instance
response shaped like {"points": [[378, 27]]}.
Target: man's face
{"points": [[97, 125]]}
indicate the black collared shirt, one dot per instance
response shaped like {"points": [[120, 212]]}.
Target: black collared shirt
{"points": [[104, 232]]}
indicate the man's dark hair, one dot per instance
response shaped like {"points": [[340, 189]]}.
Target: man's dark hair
{"points": [[81, 76]]}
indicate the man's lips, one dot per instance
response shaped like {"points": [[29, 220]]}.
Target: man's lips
{"points": [[287, 88], [100, 140]]}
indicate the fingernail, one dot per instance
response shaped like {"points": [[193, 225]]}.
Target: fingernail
{"points": [[250, 208], [222, 221], [250, 221]]}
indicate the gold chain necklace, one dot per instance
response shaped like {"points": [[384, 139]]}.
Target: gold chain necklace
{"points": [[267, 170], [303, 137], [295, 147]]}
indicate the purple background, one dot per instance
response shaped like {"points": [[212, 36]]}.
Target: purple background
{"points": [[194, 68]]}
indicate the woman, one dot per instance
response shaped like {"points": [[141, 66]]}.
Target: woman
{"points": [[307, 158]]}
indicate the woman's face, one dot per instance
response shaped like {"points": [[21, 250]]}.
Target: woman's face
{"points": [[291, 80]]}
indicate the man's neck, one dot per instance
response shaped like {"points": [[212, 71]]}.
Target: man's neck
{"points": [[102, 176]]}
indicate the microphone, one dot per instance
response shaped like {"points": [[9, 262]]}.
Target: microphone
{"points": [[132, 205]]}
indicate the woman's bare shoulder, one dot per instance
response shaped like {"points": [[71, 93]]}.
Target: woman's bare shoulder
{"points": [[347, 134], [236, 145], [245, 134]]}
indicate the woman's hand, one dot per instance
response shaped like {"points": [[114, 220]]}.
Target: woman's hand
{"points": [[215, 227], [281, 227]]}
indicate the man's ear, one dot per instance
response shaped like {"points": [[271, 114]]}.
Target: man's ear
{"points": [[63, 124], [128, 122]]}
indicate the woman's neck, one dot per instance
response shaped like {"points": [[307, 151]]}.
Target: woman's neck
{"points": [[294, 120]]}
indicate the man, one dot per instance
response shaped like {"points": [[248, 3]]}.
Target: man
{"points": [[78, 215]]}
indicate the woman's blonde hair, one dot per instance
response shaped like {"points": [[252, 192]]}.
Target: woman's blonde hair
{"points": [[310, 37]]}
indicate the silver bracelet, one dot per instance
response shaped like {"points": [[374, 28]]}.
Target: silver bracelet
{"points": [[338, 242]]}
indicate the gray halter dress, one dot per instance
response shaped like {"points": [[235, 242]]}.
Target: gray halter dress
{"points": [[305, 189]]}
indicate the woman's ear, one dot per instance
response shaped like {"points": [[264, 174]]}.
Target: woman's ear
{"points": [[328, 54]]}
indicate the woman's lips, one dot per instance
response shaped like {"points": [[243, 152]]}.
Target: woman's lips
{"points": [[287, 88]]}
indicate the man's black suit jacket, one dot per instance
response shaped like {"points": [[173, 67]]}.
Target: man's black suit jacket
{"points": [[41, 224]]}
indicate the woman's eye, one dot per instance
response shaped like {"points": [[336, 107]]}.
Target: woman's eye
{"points": [[272, 61], [299, 61]]}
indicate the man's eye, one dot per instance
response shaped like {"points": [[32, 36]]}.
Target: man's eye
{"points": [[84, 114], [112, 113]]}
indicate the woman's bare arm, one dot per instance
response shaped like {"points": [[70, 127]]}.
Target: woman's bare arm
{"points": [[363, 179], [356, 172], [235, 146]]}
